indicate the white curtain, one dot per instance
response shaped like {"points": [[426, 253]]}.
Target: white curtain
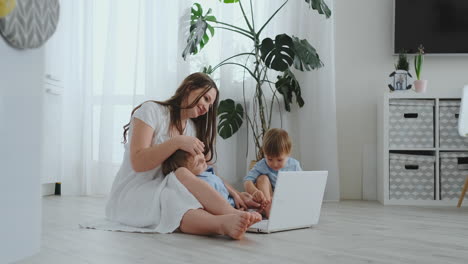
{"points": [[317, 119], [123, 52]]}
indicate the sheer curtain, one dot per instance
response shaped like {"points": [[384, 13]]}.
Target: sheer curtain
{"points": [[318, 125], [123, 52]]}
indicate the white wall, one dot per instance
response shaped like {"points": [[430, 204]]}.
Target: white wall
{"points": [[363, 57], [20, 132]]}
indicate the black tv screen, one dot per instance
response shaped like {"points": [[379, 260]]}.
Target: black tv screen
{"points": [[441, 26]]}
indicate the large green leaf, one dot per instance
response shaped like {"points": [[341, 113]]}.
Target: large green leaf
{"points": [[320, 6], [230, 118], [287, 85], [198, 36], [229, 1], [306, 56], [277, 55]]}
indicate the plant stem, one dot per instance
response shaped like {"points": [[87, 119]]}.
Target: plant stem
{"points": [[252, 15], [253, 124], [271, 107], [247, 116], [234, 27], [240, 54], [245, 17], [238, 64], [259, 92], [268, 21], [267, 113], [261, 108], [237, 31], [259, 95], [245, 109], [277, 101], [272, 99]]}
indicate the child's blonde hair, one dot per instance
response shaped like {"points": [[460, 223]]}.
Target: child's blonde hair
{"points": [[276, 142], [175, 161]]}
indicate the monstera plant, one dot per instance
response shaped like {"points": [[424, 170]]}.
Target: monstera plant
{"points": [[280, 54]]}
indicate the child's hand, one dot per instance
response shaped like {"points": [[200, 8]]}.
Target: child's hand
{"points": [[259, 197]]}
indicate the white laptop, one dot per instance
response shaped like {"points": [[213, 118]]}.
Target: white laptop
{"points": [[296, 203]]}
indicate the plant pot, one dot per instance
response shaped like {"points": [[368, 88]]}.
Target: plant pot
{"points": [[420, 86]]}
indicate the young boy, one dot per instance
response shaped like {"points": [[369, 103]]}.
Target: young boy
{"points": [[197, 165], [260, 182]]}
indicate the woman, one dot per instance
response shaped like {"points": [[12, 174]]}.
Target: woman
{"points": [[142, 197]]}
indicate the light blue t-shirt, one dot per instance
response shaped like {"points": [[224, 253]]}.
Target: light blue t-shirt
{"points": [[261, 168], [217, 183]]}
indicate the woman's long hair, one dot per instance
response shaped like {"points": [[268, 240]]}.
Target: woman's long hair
{"points": [[205, 125]]}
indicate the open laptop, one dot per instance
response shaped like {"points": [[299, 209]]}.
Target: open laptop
{"points": [[296, 203]]}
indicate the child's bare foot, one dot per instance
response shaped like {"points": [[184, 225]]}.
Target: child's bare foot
{"points": [[235, 225], [267, 211]]}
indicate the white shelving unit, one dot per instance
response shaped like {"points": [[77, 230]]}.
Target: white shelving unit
{"points": [[383, 180]]}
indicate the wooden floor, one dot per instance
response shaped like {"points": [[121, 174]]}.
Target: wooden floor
{"points": [[348, 232]]}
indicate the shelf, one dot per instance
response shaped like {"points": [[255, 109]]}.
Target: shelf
{"points": [[451, 149], [412, 149], [427, 149], [384, 151], [410, 94]]}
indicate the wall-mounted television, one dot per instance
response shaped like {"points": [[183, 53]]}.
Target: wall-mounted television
{"points": [[441, 26]]}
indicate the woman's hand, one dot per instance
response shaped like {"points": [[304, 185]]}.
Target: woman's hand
{"points": [[239, 202], [249, 201], [190, 144]]}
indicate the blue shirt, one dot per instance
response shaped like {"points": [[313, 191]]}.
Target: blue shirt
{"points": [[261, 168], [217, 183]]}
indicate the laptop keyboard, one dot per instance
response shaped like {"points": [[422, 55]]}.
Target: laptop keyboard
{"points": [[260, 225]]}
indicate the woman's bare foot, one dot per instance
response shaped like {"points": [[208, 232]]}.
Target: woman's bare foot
{"points": [[255, 217], [235, 225]]}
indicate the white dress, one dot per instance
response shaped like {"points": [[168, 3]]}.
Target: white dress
{"points": [[148, 199]]}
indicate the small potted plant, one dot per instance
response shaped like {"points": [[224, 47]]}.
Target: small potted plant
{"points": [[400, 79], [419, 85]]}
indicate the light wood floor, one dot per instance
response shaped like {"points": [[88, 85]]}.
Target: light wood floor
{"points": [[348, 232]]}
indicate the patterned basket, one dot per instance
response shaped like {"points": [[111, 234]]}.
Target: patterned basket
{"points": [[411, 123], [448, 123], [453, 172], [411, 177]]}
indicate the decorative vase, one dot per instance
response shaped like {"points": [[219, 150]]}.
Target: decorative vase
{"points": [[420, 86]]}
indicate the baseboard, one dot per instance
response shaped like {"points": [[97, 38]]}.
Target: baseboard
{"points": [[48, 189]]}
